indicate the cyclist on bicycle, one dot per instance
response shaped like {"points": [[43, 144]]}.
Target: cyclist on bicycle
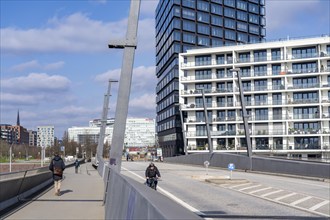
{"points": [[152, 173]]}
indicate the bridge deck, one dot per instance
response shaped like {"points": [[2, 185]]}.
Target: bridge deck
{"points": [[82, 198]]}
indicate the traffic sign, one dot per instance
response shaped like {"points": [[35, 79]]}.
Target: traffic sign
{"points": [[231, 166]]}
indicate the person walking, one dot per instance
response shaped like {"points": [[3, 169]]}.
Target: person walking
{"points": [[76, 165], [152, 173], [57, 167]]}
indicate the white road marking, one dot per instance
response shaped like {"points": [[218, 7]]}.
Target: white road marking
{"points": [[286, 196], [271, 193], [259, 190], [300, 200], [168, 194], [244, 184], [319, 205], [250, 187]]}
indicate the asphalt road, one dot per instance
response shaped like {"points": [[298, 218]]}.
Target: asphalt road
{"points": [[259, 196]]}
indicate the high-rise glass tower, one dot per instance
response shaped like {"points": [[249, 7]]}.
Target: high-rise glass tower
{"points": [[186, 24]]}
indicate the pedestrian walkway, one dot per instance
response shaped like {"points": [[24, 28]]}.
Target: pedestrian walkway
{"points": [[81, 198]]}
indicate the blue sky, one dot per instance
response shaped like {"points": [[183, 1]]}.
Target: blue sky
{"points": [[55, 62]]}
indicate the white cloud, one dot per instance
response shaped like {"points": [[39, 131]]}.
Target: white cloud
{"points": [[34, 64], [37, 82], [148, 7], [19, 99], [73, 33], [145, 101], [143, 78]]}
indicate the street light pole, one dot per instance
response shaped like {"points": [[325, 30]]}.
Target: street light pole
{"points": [[245, 115], [207, 124], [183, 130], [129, 46]]}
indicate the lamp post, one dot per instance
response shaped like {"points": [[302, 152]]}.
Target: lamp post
{"points": [[207, 124], [245, 115], [183, 130]]}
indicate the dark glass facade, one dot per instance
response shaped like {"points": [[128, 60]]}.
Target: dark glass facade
{"points": [[185, 24]]}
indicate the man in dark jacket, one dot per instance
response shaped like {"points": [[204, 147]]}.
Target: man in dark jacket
{"points": [[152, 172], [57, 166]]}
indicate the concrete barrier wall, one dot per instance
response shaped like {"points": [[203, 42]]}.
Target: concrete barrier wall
{"points": [[12, 190], [261, 164], [19, 185], [128, 199]]}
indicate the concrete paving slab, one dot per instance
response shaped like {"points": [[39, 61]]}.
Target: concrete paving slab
{"points": [[81, 198]]}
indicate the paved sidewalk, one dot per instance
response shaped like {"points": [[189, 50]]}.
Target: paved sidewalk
{"points": [[82, 198]]}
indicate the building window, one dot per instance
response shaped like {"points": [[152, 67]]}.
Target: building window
{"points": [[253, 29], [202, 60], [276, 54], [260, 99], [216, 42], [260, 85], [189, 26], [304, 67], [242, 37], [241, 5], [216, 32], [261, 114], [253, 8], [203, 29], [229, 23], [189, 38], [203, 6], [203, 74], [242, 26], [260, 55], [216, 20], [253, 18], [276, 69], [307, 143], [308, 52], [188, 14], [244, 57], [229, 12], [203, 17], [216, 9], [220, 59], [260, 70], [308, 82], [305, 97], [203, 41], [230, 35], [188, 3], [241, 15], [277, 100], [229, 3]]}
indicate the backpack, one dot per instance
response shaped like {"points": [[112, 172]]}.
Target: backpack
{"points": [[57, 170]]}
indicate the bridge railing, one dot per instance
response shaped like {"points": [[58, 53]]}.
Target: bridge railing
{"points": [[16, 186], [129, 199]]}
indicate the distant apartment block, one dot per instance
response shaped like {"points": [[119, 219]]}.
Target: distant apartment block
{"points": [[140, 132], [286, 86], [15, 134], [45, 135], [33, 138]]}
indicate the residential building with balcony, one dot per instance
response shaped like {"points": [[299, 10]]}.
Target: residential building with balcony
{"points": [[286, 87], [45, 136], [186, 24]]}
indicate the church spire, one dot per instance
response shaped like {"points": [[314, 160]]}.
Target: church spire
{"points": [[18, 122]]}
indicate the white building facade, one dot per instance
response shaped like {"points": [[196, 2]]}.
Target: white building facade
{"points": [[140, 132], [45, 136], [286, 86]]}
